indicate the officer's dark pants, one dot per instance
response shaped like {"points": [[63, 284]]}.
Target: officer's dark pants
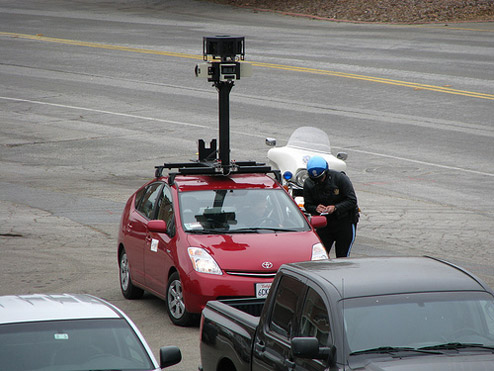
{"points": [[343, 237]]}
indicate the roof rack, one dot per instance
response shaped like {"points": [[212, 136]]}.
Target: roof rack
{"points": [[215, 168]]}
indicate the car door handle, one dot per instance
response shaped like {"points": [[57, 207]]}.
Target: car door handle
{"points": [[259, 348], [289, 364]]}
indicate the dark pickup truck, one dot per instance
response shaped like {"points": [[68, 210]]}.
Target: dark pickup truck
{"points": [[396, 313]]}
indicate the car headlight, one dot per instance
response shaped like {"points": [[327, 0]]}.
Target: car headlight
{"points": [[300, 176], [319, 252], [202, 261]]}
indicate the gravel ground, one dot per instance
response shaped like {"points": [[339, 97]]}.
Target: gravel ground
{"points": [[391, 11]]}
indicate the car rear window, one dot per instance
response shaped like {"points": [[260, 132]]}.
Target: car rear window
{"points": [[90, 344]]}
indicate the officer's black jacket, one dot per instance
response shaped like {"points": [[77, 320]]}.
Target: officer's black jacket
{"points": [[336, 189]]}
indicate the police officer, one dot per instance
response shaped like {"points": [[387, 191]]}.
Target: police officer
{"points": [[330, 193]]}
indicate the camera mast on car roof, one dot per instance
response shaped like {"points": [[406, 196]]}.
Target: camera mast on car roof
{"points": [[225, 54]]}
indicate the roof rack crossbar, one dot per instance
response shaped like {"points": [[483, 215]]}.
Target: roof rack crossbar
{"points": [[197, 168], [197, 171], [179, 165]]}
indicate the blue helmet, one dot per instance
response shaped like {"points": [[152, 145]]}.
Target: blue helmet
{"points": [[316, 167]]}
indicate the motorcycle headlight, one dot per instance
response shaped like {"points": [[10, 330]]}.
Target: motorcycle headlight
{"points": [[319, 252], [202, 261], [300, 176]]}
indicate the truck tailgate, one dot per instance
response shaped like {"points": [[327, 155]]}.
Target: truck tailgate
{"points": [[228, 332]]}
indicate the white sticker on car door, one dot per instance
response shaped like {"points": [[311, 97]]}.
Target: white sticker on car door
{"points": [[154, 245]]}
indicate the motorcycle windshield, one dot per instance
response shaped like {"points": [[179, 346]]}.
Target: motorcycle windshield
{"points": [[310, 138]]}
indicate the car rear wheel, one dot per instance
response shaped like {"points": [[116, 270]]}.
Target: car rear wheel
{"points": [[129, 291], [175, 302]]}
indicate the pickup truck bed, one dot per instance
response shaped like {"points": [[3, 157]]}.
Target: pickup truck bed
{"points": [[222, 320]]}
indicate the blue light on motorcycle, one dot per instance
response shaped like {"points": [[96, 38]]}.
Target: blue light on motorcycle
{"points": [[287, 175]]}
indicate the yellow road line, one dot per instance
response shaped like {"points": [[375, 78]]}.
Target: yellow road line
{"points": [[98, 45], [415, 86]]}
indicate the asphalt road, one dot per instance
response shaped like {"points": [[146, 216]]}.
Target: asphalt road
{"points": [[94, 94]]}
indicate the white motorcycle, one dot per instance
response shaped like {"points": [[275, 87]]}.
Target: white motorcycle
{"points": [[292, 158]]}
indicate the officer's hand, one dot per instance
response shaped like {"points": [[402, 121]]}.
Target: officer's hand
{"points": [[330, 209], [321, 209]]}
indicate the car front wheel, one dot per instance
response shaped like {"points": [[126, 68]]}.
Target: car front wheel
{"points": [[175, 302], [129, 291]]}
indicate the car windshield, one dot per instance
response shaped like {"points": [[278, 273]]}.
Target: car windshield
{"points": [[418, 320], [239, 211], [94, 344], [310, 138]]}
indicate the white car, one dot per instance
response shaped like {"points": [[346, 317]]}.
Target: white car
{"points": [[73, 332], [291, 160]]}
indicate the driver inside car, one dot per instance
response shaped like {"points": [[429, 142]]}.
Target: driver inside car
{"points": [[259, 213]]}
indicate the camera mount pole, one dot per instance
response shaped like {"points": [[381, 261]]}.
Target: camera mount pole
{"points": [[222, 65], [224, 88]]}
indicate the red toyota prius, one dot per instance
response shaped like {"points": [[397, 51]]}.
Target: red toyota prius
{"points": [[189, 239]]}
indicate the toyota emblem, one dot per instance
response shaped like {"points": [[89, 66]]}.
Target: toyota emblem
{"points": [[267, 265]]}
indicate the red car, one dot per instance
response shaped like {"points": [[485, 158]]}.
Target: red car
{"points": [[189, 239]]}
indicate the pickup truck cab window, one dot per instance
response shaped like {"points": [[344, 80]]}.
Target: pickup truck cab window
{"points": [[315, 318], [288, 295]]}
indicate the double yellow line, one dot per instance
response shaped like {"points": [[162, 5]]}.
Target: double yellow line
{"points": [[98, 45], [415, 86]]}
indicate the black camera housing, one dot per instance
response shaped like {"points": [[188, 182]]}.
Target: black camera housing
{"points": [[225, 48]]}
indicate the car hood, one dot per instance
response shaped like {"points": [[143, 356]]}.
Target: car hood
{"points": [[248, 252], [444, 362]]}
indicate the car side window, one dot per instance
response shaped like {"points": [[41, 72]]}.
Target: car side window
{"points": [[283, 318], [315, 318], [148, 200], [139, 195], [165, 210]]}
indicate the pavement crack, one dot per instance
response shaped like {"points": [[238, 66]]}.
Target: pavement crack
{"points": [[14, 235]]}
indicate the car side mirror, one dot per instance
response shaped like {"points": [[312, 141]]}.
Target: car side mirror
{"points": [[308, 347], [342, 155], [271, 142], [158, 226], [318, 221], [169, 356]]}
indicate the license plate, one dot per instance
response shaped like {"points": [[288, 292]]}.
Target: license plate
{"points": [[262, 290]]}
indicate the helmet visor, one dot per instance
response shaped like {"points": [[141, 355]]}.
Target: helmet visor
{"points": [[317, 176]]}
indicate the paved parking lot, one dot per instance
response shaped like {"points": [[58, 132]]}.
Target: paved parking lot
{"points": [[106, 91]]}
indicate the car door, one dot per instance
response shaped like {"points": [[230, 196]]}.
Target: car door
{"points": [[137, 231], [159, 246], [300, 309], [272, 342]]}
